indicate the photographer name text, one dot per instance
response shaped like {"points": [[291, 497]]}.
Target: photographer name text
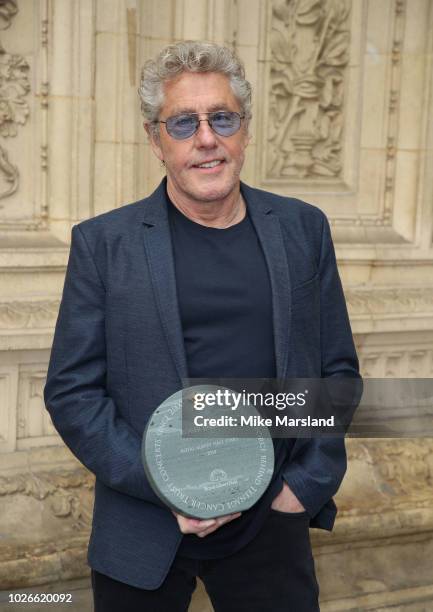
{"points": [[258, 421]]}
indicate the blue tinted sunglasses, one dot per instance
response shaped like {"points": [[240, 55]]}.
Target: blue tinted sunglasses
{"points": [[223, 123]]}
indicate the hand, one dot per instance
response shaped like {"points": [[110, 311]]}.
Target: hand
{"points": [[286, 501], [202, 528]]}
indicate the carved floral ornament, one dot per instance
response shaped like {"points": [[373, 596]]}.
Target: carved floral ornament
{"points": [[8, 10], [309, 46], [14, 85], [14, 109], [64, 492], [394, 300], [37, 314], [404, 465]]}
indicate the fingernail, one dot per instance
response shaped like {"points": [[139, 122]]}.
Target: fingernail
{"points": [[209, 523]]}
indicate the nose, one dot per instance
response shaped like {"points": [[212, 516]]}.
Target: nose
{"points": [[205, 137]]}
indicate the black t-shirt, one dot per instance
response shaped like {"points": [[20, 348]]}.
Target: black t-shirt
{"points": [[224, 297], [225, 304]]}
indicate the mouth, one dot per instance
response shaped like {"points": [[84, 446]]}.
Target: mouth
{"points": [[213, 165]]}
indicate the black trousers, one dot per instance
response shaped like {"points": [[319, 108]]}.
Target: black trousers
{"points": [[273, 573]]}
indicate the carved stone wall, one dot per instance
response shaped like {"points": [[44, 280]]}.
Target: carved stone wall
{"points": [[309, 49], [342, 118]]}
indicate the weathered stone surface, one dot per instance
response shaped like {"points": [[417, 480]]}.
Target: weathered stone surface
{"points": [[343, 104]]}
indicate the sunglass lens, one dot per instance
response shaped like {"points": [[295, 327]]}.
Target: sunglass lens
{"points": [[225, 123], [182, 126]]}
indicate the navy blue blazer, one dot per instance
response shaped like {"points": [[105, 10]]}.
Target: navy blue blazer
{"points": [[118, 352]]}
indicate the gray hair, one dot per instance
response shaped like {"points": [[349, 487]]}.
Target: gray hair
{"points": [[190, 56]]}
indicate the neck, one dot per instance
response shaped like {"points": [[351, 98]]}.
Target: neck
{"points": [[217, 213]]}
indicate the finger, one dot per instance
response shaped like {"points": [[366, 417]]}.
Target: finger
{"points": [[196, 529], [206, 532], [221, 521], [187, 519], [187, 525], [227, 518], [201, 524], [203, 534]]}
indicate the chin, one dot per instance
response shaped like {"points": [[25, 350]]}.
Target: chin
{"points": [[212, 196], [216, 192]]}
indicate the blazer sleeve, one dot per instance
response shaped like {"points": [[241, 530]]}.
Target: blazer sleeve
{"points": [[316, 466], [75, 392]]}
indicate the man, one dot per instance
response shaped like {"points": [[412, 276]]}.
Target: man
{"points": [[205, 278]]}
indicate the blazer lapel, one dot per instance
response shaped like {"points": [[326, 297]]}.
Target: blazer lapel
{"points": [[158, 248], [157, 244], [267, 226]]}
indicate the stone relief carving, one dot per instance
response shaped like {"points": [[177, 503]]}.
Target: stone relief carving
{"points": [[310, 49], [14, 86], [33, 420], [403, 471], [393, 107], [392, 363], [44, 101], [389, 301], [10, 173], [14, 109], [19, 314], [61, 489], [8, 10]]}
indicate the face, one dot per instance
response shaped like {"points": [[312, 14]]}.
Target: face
{"points": [[200, 93]]}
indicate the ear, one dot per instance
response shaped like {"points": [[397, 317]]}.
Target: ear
{"points": [[154, 140]]}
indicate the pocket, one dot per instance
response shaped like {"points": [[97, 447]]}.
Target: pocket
{"points": [[304, 289]]}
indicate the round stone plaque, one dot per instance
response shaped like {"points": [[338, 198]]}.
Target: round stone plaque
{"points": [[204, 477]]}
